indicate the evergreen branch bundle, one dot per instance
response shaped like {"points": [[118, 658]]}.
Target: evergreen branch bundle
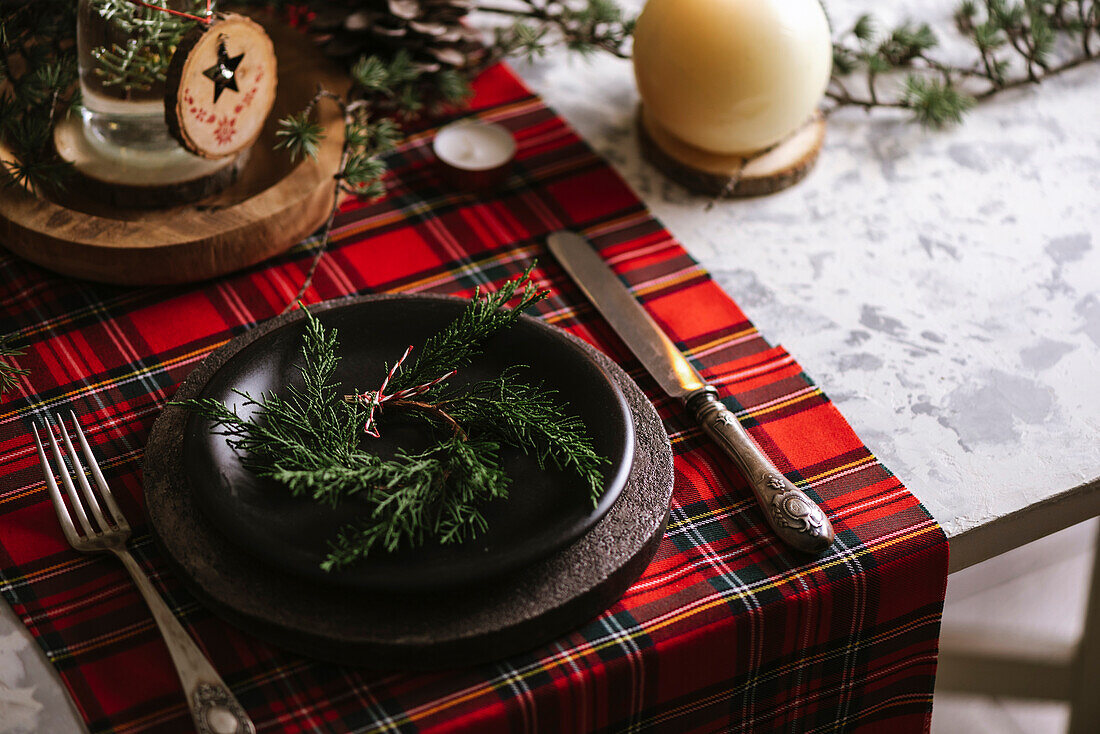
{"points": [[1016, 42], [312, 442]]}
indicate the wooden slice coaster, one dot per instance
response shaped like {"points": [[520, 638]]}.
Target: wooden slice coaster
{"points": [[453, 627], [272, 204], [732, 175]]}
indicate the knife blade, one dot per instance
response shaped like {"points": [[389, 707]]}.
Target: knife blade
{"points": [[795, 518]]}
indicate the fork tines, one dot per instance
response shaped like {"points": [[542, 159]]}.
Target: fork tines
{"points": [[100, 524]]}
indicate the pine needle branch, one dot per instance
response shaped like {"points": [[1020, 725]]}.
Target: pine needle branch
{"points": [[584, 27], [457, 345], [531, 416], [1007, 35], [9, 373], [407, 509]]}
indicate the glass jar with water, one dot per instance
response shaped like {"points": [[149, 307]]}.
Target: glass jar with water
{"points": [[124, 51]]}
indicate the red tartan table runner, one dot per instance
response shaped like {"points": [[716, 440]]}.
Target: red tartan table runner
{"points": [[726, 630]]}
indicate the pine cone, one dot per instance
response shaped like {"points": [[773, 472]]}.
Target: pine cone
{"points": [[430, 30]]}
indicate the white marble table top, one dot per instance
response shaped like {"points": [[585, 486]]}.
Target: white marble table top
{"points": [[943, 288]]}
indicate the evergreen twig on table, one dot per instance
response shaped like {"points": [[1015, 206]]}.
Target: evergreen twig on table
{"points": [[1016, 42], [312, 442], [585, 27], [9, 373], [37, 88], [389, 89], [368, 133]]}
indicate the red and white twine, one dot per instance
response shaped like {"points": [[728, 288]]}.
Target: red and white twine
{"points": [[179, 13], [377, 398]]}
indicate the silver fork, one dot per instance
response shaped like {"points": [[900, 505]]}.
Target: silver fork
{"points": [[213, 706]]}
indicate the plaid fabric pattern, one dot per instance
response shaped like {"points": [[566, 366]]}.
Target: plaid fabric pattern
{"points": [[725, 631]]}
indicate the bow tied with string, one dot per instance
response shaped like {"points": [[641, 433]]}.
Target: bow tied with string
{"points": [[376, 399]]}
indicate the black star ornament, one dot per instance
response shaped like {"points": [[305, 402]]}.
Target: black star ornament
{"points": [[224, 73]]}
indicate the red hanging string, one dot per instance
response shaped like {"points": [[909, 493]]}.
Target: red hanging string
{"points": [[377, 398], [175, 12]]}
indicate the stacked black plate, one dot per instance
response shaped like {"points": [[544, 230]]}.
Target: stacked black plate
{"points": [[549, 562]]}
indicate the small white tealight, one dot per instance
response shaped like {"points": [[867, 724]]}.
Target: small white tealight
{"points": [[474, 154]]}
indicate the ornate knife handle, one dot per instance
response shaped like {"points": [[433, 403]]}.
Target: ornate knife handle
{"points": [[795, 518]]}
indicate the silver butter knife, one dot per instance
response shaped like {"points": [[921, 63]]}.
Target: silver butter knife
{"points": [[795, 518]]}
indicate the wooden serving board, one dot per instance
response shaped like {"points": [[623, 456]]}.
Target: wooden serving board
{"points": [[272, 205]]}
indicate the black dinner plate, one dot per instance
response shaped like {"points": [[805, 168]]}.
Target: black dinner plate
{"points": [[546, 509]]}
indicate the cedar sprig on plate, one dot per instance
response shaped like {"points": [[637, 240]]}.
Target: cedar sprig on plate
{"points": [[312, 441]]}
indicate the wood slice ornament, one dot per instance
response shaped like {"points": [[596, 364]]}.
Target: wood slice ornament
{"points": [[221, 86]]}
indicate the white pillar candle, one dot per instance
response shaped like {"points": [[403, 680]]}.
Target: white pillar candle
{"points": [[732, 76]]}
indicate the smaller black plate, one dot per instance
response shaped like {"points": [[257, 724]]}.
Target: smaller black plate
{"points": [[545, 510]]}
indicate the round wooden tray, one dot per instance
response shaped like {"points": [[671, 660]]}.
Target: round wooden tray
{"points": [[272, 205], [452, 627]]}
